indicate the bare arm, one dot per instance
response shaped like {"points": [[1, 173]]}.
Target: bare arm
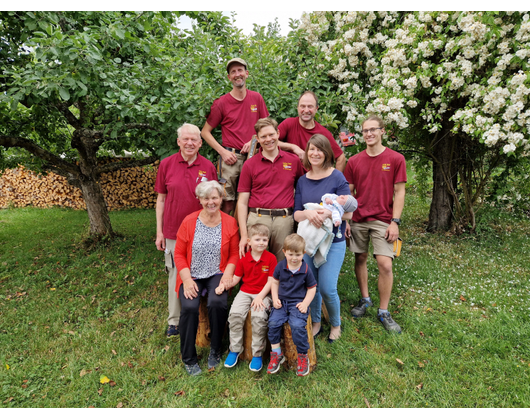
{"points": [[257, 303], [206, 133], [293, 148], [392, 231], [310, 294], [242, 216], [274, 292], [160, 240], [341, 163]]}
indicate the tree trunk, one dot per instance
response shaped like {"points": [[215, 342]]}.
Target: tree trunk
{"points": [[445, 176], [98, 214]]}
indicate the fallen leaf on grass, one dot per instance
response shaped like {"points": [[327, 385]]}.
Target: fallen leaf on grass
{"points": [[100, 391], [462, 298], [421, 333], [366, 402], [419, 386], [114, 352], [400, 362], [84, 372], [120, 405], [180, 393], [161, 378], [103, 379], [420, 364], [8, 400], [112, 383]]}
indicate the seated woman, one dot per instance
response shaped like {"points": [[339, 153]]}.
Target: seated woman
{"points": [[206, 252]]}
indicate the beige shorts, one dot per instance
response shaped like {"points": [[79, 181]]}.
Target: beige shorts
{"points": [[230, 173], [361, 234], [280, 228]]}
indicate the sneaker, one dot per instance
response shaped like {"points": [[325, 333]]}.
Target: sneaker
{"points": [[256, 364], [231, 359], [213, 359], [193, 370], [172, 330], [389, 323], [361, 307], [276, 360], [302, 368]]}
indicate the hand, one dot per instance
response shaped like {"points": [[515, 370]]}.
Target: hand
{"points": [[317, 217], [302, 307], [246, 147], [190, 289], [220, 289], [392, 232], [298, 152], [328, 201], [244, 246], [348, 230], [257, 304], [229, 158], [160, 242], [277, 303]]}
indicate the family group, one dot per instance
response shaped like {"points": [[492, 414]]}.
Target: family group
{"points": [[235, 224]]}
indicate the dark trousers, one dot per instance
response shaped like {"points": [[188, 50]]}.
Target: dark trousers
{"points": [[297, 321], [189, 318]]}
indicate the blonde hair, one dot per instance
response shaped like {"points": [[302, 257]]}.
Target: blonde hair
{"points": [[376, 118], [258, 229], [295, 243]]}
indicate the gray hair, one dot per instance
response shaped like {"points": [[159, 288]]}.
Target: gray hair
{"points": [[204, 189], [190, 128]]}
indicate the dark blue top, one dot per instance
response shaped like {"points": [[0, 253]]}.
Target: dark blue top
{"points": [[293, 286], [311, 191]]}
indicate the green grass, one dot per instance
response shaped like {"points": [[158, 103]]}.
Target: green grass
{"points": [[69, 316]]}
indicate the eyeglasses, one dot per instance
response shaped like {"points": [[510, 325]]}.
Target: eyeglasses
{"points": [[370, 130]]}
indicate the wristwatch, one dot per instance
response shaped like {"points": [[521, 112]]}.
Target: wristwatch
{"points": [[396, 221]]}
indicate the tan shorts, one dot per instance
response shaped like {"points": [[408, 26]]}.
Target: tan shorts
{"points": [[361, 234], [279, 226], [230, 173]]}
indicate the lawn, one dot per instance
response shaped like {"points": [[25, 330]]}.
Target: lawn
{"points": [[72, 319]]}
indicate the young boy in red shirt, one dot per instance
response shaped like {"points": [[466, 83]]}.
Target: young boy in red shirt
{"points": [[255, 270]]}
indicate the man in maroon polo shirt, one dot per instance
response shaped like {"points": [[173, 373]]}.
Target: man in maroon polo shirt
{"points": [[266, 189], [178, 176], [236, 112], [295, 132]]}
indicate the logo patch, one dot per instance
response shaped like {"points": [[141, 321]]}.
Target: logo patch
{"points": [[287, 166], [253, 108], [386, 167], [265, 269]]}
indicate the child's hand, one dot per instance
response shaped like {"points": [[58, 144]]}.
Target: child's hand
{"points": [[302, 307], [329, 201], [277, 303], [220, 289], [257, 304], [337, 223]]}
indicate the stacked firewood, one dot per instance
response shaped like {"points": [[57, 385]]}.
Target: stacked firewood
{"points": [[125, 188]]}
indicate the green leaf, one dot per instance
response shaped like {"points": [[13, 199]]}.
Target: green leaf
{"points": [[64, 93]]}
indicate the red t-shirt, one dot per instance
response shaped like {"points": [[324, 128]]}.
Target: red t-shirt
{"points": [[237, 118], [292, 132], [373, 178], [270, 184], [255, 274], [178, 180]]}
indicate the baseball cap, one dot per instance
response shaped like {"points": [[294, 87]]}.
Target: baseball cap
{"points": [[236, 60]]}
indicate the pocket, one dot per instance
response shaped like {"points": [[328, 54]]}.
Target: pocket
{"points": [[168, 256]]}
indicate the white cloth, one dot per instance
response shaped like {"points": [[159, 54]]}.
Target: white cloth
{"points": [[317, 240]]}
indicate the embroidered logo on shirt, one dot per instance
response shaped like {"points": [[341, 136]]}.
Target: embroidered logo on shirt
{"points": [[287, 166], [201, 177], [386, 167], [253, 108], [265, 269]]}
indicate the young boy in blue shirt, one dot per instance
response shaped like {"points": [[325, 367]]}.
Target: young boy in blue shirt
{"points": [[292, 290]]}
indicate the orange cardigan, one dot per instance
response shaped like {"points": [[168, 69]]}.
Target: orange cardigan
{"points": [[184, 243]]}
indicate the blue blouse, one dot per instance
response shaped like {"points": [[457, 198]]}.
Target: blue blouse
{"points": [[312, 190]]}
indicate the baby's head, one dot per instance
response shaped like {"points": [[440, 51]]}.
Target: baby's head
{"points": [[347, 202]]}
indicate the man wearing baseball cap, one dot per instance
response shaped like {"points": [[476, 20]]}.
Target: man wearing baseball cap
{"points": [[236, 112]]}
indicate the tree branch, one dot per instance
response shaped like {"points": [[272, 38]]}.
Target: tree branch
{"points": [[13, 141], [114, 166]]}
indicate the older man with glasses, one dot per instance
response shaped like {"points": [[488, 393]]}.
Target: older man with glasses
{"points": [[377, 178]]}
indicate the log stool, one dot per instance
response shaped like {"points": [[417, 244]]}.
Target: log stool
{"points": [[203, 331], [289, 349]]}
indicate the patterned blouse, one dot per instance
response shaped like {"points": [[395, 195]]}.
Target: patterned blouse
{"points": [[206, 251]]}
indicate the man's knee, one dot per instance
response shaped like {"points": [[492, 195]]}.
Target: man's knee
{"points": [[384, 264], [361, 258]]}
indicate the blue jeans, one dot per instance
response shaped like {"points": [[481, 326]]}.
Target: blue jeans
{"points": [[327, 277], [297, 321]]}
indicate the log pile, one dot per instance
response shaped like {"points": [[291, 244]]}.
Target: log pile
{"points": [[125, 188]]}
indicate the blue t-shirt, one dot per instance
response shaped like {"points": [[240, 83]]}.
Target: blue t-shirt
{"points": [[293, 286], [311, 191]]}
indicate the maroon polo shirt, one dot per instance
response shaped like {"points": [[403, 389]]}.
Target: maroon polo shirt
{"points": [[292, 132], [270, 183], [178, 180], [255, 273]]}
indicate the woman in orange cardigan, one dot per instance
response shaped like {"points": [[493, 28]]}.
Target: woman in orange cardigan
{"points": [[206, 252]]}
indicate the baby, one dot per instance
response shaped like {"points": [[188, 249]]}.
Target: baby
{"points": [[338, 205]]}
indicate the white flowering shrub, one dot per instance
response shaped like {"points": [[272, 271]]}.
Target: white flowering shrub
{"points": [[435, 77]]}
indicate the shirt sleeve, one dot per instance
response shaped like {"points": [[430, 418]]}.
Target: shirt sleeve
{"points": [[245, 178], [215, 116]]}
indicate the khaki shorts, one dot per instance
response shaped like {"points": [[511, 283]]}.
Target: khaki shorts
{"points": [[280, 228], [361, 234], [231, 174]]}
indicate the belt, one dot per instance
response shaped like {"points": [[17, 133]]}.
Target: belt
{"points": [[236, 151], [272, 212]]}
